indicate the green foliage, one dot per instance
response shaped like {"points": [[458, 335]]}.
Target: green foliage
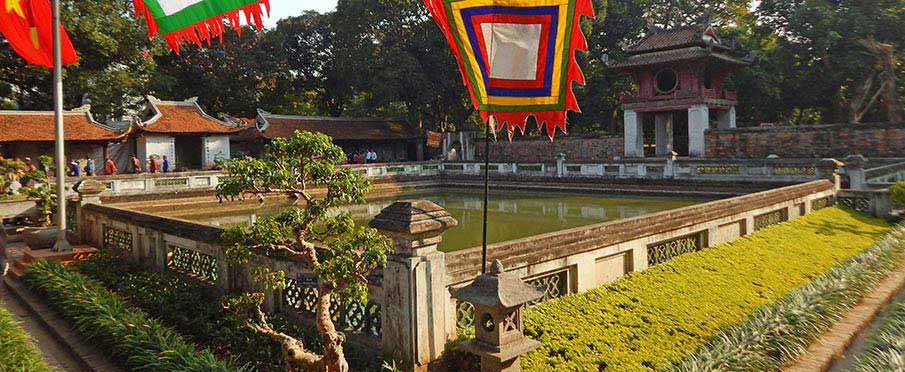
{"points": [[781, 332], [17, 353], [193, 309], [136, 341], [885, 351], [898, 194], [41, 191], [651, 319], [11, 169]]}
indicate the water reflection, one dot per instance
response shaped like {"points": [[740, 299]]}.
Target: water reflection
{"points": [[511, 217]]}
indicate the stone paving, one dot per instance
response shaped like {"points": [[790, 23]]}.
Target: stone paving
{"points": [[54, 353], [830, 347]]}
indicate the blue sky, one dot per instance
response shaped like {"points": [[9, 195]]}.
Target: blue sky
{"points": [[280, 9]]}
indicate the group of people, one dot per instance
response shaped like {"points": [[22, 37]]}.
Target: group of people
{"points": [[358, 157], [154, 166]]}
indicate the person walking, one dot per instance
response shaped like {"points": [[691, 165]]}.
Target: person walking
{"points": [[109, 167], [166, 164], [152, 164], [89, 167], [74, 169], [136, 165]]}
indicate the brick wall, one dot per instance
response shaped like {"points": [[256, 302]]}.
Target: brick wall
{"points": [[878, 140], [577, 149]]}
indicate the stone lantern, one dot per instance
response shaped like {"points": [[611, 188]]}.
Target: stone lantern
{"points": [[498, 298]]}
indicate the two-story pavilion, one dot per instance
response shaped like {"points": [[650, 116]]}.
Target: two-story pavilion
{"points": [[679, 75]]}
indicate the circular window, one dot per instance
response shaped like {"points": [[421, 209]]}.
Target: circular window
{"points": [[666, 80]]}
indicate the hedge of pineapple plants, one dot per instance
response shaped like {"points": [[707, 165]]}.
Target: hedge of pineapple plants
{"points": [[779, 333], [655, 318], [885, 351], [193, 309], [17, 353], [135, 341]]}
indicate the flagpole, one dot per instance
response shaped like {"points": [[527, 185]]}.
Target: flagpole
{"points": [[61, 245], [487, 130]]}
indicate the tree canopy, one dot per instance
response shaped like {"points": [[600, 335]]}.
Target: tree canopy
{"points": [[818, 61]]}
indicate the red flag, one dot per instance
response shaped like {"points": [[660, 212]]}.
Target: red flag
{"points": [[27, 25]]}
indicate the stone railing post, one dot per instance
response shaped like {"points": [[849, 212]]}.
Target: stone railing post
{"points": [[498, 298], [560, 165], [89, 193], [414, 306], [854, 167], [828, 169]]}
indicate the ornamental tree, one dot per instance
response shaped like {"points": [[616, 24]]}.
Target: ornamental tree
{"points": [[338, 252]]}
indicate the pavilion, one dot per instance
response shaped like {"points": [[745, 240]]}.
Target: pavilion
{"points": [[679, 76]]}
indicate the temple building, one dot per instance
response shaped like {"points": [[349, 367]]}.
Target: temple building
{"points": [[29, 134], [184, 133], [392, 141], [679, 76]]}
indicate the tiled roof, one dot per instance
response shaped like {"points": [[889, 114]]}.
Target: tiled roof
{"points": [[337, 128], [673, 55], [38, 126], [183, 117], [675, 38]]}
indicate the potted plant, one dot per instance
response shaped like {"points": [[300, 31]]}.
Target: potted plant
{"points": [[41, 234]]}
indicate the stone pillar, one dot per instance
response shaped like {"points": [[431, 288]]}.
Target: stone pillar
{"points": [[498, 298], [664, 134], [634, 135], [854, 167], [670, 170], [828, 169], [89, 193], [698, 123], [415, 298], [560, 165], [727, 119]]}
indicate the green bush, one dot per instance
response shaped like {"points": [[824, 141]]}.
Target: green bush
{"points": [[17, 354], [194, 310], [137, 342], [781, 332], [651, 319], [898, 194], [885, 351]]}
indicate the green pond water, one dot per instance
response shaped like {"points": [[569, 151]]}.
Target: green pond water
{"points": [[511, 216]]}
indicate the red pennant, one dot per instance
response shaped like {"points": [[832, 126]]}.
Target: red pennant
{"points": [[27, 25]]}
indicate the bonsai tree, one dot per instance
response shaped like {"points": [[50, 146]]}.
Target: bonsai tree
{"points": [[10, 170], [41, 191], [898, 194], [338, 252]]}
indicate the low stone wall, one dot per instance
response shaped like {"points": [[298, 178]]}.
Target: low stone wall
{"points": [[877, 140], [13, 212], [542, 150]]}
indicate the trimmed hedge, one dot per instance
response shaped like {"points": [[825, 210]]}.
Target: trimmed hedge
{"points": [[651, 319], [885, 351], [898, 194], [17, 353], [137, 342], [779, 333]]}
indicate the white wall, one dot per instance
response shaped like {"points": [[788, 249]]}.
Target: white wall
{"points": [[215, 148], [156, 145]]}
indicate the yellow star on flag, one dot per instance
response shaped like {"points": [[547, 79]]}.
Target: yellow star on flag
{"points": [[15, 6]]}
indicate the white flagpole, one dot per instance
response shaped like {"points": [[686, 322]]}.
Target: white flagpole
{"points": [[62, 245]]}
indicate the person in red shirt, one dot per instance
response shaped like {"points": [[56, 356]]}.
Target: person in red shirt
{"points": [[153, 165], [109, 167]]}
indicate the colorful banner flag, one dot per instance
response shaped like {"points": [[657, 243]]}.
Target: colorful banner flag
{"points": [[27, 25], [517, 56], [433, 139], [181, 21]]}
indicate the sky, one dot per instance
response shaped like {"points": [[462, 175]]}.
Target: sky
{"points": [[280, 9]]}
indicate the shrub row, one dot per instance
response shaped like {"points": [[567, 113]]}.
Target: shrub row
{"points": [[652, 319], [17, 353], [194, 310], [885, 351], [781, 332], [135, 341]]}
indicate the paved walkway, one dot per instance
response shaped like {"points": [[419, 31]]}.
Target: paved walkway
{"points": [[54, 353], [821, 354]]}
